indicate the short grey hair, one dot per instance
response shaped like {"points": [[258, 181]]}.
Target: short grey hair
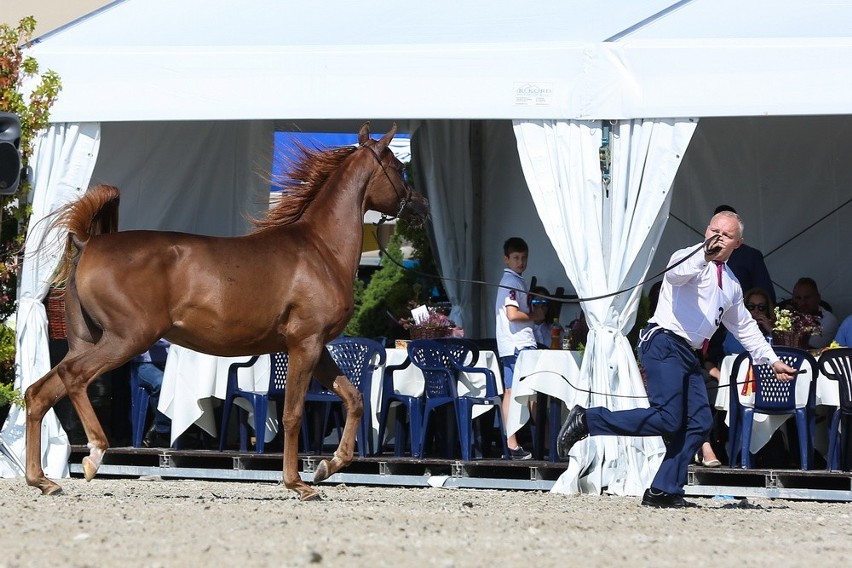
{"points": [[732, 215]]}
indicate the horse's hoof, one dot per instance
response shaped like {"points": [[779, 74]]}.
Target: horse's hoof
{"points": [[314, 496], [89, 468], [53, 489], [49, 488], [322, 473]]}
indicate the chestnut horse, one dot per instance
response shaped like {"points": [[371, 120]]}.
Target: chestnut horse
{"points": [[286, 286]]}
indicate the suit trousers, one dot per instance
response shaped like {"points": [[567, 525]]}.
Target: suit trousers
{"points": [[679, 409]]}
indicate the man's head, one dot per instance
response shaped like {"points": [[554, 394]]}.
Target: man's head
{"points": [[515, 254], [806, 296], [727, 228]]}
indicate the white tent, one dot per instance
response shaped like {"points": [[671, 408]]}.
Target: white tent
{"points": [[175, 102]]}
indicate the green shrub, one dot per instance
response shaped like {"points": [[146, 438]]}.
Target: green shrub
{"points": [[389, 291], [8, 394]]}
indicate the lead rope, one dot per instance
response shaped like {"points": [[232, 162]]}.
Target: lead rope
{"points": [[383, 251], [613, 395]]}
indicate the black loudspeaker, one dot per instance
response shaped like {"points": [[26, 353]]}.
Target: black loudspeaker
{"points": [[10, 157]]}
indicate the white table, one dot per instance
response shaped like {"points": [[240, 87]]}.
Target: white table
{"points": [[544, 371], [192, 380], [765, 425]]}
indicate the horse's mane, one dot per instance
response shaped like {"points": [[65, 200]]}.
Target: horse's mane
{"points": [[308, 172]]}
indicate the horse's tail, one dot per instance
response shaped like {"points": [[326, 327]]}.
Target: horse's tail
{"points": [[93, 214]]}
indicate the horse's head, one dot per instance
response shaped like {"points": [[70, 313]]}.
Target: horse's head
{"points": [[387, 191]]}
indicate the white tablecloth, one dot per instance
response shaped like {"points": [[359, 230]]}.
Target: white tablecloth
{"points": [[766, 424], [192, 380], [544, 371]]}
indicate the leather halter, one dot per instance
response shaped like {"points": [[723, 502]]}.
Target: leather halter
{"points": [[403, 199]]}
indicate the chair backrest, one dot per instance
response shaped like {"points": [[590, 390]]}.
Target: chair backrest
{"points": [[437, 364], [773, 395], [464, 352], [278, 365], [357, 358], [836, 364]]}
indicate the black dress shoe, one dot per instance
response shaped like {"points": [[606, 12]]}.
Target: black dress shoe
{"points": [[662, 500], [154, 439], [573, 430]]}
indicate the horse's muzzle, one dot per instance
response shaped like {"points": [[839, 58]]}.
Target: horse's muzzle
{"points": [[416, 211]]}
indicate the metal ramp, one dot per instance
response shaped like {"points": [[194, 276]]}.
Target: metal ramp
{"points": [[479, 474]]}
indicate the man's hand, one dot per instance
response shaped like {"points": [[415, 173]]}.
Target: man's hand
{"points": [[783, 372], [712, 247]]}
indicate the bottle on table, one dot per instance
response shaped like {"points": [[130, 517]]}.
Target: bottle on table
{"points": [[555, 335]]}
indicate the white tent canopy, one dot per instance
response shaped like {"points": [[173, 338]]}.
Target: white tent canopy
{"points": [[213, 60], [178, 100]]}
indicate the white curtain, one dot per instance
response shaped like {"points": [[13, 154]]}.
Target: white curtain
{"points": [[606, 239], [440, 150], [62, 165]]}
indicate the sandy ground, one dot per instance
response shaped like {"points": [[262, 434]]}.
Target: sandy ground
{"points": [[156, 523]]}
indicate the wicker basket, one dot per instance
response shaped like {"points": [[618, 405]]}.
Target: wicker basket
{"points": [[56, 314], [788, 338], [429, 332]]}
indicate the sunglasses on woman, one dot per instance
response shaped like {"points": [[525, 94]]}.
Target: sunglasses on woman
{"points": [[758, 307]]}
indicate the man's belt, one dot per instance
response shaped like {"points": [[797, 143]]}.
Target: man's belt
{"points": [[651, 329]]}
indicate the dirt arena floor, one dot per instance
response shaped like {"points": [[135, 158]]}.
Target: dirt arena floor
{"points": [[159, 523]]}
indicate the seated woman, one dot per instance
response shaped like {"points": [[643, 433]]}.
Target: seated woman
{"points": [[760, 307]]}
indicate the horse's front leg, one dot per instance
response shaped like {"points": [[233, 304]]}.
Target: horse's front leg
{"points": [[332, 378], [346, 448], [294, 405], [300, 369], [40, 397]]}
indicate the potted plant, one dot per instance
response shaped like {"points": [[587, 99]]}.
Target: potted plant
{"points": [[793, 328], [435, 324]]}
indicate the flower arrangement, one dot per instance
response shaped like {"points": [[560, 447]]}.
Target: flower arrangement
{"points": [[430, 323], [793, 328]]}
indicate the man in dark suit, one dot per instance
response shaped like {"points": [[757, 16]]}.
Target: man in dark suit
{"points": [[748, 265]]}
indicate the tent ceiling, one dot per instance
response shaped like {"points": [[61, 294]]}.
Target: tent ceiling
{"points": [[215, 60]]}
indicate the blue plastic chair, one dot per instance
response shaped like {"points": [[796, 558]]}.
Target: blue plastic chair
{"points": [[413, 406], [437, 365], [836, 364], [357, 358], [772, 396], [278, 364], [465, 354]]}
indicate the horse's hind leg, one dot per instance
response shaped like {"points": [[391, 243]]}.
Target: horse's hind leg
{"points": [[76, 374], [40, 397], [330, 376]]}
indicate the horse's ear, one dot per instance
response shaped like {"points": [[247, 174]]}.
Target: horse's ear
{"points": [[386, 140], [364, 133]]}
